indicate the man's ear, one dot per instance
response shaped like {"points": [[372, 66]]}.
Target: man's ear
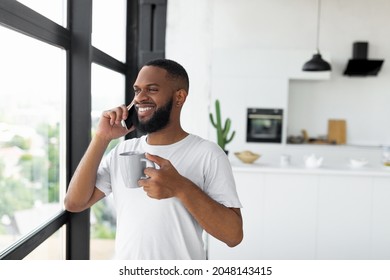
{"points": [[181, 96]]}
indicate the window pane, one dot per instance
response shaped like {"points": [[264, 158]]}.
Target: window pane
{"points": [[52, 249], [109, 27], [32, 108], [108, 91], [52, 9]]}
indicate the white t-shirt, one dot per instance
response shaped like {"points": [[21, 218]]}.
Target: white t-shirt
{"points": [[148, 228]]}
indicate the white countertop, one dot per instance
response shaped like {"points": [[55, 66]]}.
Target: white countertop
{"points": [[342, 169]]}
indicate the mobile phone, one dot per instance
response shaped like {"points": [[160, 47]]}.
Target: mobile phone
{"points": [[130, 118]]}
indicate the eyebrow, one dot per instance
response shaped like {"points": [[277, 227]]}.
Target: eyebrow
{"points": [[148, 85]]}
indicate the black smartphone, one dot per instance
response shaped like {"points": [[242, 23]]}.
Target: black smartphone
{"points": [[130, 118]]}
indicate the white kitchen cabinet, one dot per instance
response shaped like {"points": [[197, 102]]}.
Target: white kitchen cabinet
{"points": [[344, 217], [310, 214], [289, 216], [380, 231]]}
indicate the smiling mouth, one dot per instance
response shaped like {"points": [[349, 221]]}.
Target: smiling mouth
{"points": [[144, 109]]}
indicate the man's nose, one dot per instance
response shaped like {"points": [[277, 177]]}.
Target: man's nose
{"points": [[142, 95]]}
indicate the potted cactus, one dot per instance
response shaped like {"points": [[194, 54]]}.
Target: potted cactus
{"points": [[222, 131]]}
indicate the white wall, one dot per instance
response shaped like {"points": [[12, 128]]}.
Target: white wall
{"points": [[189, 41], [247, 52]]}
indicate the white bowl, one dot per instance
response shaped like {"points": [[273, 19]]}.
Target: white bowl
{"points": [[357, 163], [313, 164], [313, 161]]}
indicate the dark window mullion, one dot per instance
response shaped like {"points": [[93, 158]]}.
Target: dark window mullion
{"points": [[132, 48], [107, 61], [152, 24], [27, 244], [78, 117]]}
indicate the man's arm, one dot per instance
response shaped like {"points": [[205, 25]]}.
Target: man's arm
{"points": [[218, 220], [82, 192]]}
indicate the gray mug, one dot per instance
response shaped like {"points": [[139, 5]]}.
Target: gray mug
{"points": [[132, 165]]}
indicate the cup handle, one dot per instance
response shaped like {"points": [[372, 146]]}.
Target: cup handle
{"points": [[147, 163]]}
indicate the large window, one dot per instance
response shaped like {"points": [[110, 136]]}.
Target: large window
{"points": [[54, 85], [32, 125], [48, 111]]}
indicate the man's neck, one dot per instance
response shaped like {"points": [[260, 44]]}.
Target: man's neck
{"points": [[166, 137]]}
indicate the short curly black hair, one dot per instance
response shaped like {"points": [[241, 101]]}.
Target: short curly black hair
{"points": [[174, 70]]}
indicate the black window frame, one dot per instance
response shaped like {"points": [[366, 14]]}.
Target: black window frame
{"points": [[76, 40]]}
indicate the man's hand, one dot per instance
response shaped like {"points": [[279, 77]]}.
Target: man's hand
{"points": [[163, 182], [110, 126]]}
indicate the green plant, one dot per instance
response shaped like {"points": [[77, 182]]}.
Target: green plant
{"points": [[222, 131]]}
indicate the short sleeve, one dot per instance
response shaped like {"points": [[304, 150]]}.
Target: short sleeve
{"points": [[220, 184]]}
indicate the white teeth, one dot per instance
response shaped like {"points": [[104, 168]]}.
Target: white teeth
{"points": [[144, 109]]}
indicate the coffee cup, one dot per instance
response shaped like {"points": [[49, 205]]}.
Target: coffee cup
{"points": [[132, 166]]}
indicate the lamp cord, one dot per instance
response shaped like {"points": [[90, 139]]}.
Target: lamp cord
{"points": [[318, 24]]}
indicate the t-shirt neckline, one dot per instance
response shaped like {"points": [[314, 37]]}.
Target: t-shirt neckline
{"points": [[178, 143]]}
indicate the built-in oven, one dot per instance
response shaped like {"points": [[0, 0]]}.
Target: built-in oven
{"points": [[264, 125]]}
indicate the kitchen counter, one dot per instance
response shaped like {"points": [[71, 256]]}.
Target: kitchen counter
{"points": [[336, 169]]}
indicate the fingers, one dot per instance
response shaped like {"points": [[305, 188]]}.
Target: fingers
{"points": [[163, 180], [156, 159], [116, 115], [151, 172], [154, 190]]}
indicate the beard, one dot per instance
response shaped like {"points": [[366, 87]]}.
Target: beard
{"points": [[158, 121]]}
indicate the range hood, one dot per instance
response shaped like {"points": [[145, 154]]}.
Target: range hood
{"points": [[360, 65]]}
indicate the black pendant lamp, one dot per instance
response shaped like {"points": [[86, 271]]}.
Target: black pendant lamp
{"points": [[316, 63]]}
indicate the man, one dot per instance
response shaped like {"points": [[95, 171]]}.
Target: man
{"points": [[192, 190]]}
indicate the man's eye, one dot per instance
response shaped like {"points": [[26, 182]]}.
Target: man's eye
{"points": [[152, 89]]}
